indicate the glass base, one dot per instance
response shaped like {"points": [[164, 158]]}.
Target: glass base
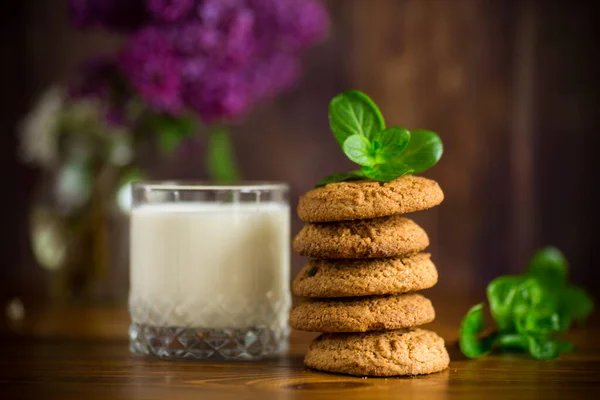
{"points": [[200, 343]]}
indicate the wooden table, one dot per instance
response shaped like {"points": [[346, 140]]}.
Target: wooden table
{"points": [[83, 354]]}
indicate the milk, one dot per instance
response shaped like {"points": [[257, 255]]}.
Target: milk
{"points": [[210, 265]]}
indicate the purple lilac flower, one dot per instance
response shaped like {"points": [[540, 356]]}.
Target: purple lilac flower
{"points": [[112, 14], [290, 25], [273, 75], [170, 10], [153, 70], [215, 57], [193, 68], [194, 38], [239, 38], [306, 24], [220, 95], [229, 43], [213, 13]]}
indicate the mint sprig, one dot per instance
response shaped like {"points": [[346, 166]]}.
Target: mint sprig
{"points": [[530, 311], [383, 153], [354, 113]]}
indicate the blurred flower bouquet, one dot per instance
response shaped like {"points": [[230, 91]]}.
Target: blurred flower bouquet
{"points": [[187, 68]]}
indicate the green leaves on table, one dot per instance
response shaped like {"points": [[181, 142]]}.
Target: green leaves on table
{"points": [[472, 325], [530, 310], [383, 154]]}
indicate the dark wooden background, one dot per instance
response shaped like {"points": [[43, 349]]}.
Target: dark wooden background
{"points": [[511, 87]]}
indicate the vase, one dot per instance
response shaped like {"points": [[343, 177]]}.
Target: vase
{"points": [[79, 235]]}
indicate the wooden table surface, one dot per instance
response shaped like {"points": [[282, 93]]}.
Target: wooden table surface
{"points": [[83, 354]]}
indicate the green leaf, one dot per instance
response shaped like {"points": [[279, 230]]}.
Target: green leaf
{"points": [[359, 150], [342, 177], [532, 308], [539, 320], [389, 143], [220, 158], [511, 341], [471, 326], [544, 348], [501, 293], [354, 113], [550, 266], [575, 303], [171, 131], [538, 346], [423, 151], [387, 172]]}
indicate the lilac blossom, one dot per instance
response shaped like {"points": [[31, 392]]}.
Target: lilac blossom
{"points": [[153, 70], [214, 57], [219, 95], [170, 10]]}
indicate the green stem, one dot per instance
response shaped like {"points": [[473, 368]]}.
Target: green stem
{"points": [[220, 156]]}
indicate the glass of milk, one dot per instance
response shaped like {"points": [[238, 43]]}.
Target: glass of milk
{"points": [[210, 269]]}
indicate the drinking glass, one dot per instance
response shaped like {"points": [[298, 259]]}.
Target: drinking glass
{"points": [[209, 269]]}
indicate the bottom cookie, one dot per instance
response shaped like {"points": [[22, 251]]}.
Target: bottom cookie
{"points": [[400, 352]]}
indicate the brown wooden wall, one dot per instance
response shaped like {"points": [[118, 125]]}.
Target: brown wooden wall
{"points": [[511, 87]]}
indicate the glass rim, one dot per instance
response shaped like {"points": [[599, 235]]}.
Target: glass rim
{"points": [[208, 185]]}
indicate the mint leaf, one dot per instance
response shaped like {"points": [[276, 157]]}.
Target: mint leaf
{"points": [[471, 326], [549, 265], [220, 158], [511, 341], [501, 293], [359, 150], [386, 172], [544, 348], [575, 303], [389, 143], [424, 150], [531, 309], [342, 177], [354, 113], [384, 154], [539, 346]]}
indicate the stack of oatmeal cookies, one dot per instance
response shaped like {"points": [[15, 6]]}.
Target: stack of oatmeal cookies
{"points": [[366, 263]]}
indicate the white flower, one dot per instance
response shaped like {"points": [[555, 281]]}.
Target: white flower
{"points": [[72, 187], [38, 132], [48, 242]]}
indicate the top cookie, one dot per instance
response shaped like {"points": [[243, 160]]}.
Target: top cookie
{"points": [[365, 199]]}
